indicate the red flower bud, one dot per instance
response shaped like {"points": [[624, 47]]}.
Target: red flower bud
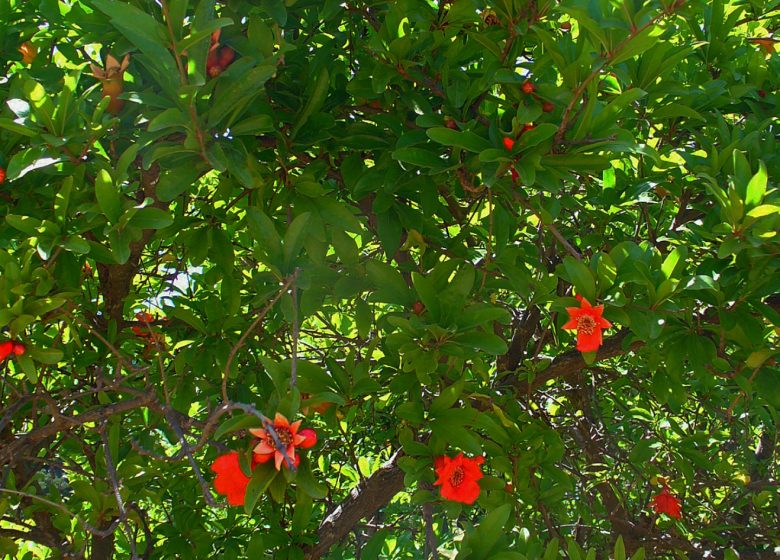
{"points": [[5, 349], [19, 348], [226, 56], [528, 87], [509, 143], [2, 175], [548, 107], [418, 307], [311, 438]]}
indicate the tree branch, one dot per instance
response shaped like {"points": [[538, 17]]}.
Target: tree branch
{"points": [[362, 502]]}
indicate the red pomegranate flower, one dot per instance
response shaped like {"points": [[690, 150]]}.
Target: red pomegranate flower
{"points": [[230, 480], [588, 322], [289, 436], [458, 477], [667, 503]]}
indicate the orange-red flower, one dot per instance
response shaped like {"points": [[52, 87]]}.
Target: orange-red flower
{"points": [[230, 480], [588, 322], [667, 503], [458, 477], [290, 438]]}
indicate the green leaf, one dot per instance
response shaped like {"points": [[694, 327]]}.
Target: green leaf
{"points": [[107, 196], [276, 9], [241, 422], [581, 277], [151, 218], [262, 477], [576, 162], [41, 103], [315, 101], [178, 180], [484, 537], [30, 159], [264, 232], [310, 485], [28, 367], [239, 93], [25, 224], [146, 33], [466, 140], [674, 262], [294, 238], [447, 397], [17, 128], [170, 118], [756, 188], [253, 125], [189, 317], [483, 341], [420, 157], [537, 135], [48, 356], [389, 284]]}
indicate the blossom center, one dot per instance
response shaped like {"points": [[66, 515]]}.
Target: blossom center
{"points": [[586, 324], [457, 476], [285, 437]]}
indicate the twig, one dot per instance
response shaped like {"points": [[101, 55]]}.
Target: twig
{"points": [[551, 227], [295, 335], [204, 486], [112, 476], [566, 117], [87, 526], [251, 328]]}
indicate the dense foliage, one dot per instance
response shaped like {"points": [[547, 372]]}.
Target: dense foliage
{"points": [[376, 217]]}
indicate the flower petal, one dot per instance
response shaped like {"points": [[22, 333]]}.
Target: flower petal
{"points": [[281, 421], [259, 432], [263, 448], [589, 342]]}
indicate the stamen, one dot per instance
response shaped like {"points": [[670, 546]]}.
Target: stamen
{"points": [[457, 476], [284, 436], [586, 324]]}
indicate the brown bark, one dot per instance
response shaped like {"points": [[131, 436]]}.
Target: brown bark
{"points": [[370, 496]]}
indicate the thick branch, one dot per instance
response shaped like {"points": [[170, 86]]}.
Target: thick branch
{"points": [[568, 364], [362, 502], [62, 424]]}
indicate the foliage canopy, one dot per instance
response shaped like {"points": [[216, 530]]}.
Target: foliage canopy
{"points": [[372, 216]]}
